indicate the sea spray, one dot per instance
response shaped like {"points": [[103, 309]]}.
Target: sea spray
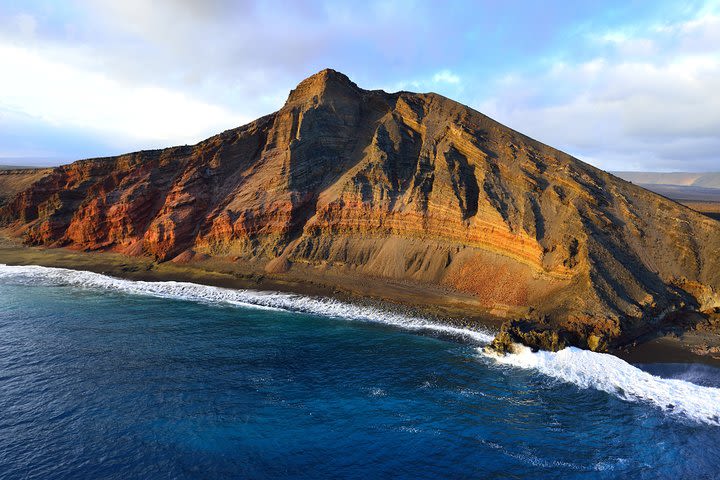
{"points": [[613, 375]]}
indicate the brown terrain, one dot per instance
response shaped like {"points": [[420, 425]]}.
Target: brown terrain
{"points": [[15, 180], [404, 196]]}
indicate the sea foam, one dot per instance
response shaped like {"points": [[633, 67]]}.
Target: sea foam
{"points": [[581, 367], [246, 298], [613, 375]]}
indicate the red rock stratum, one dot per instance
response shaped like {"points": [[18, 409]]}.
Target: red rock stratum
{"points": [[403, 186]]}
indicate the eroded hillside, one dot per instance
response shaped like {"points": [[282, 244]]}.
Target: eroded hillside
{"points": [[406, 186]]}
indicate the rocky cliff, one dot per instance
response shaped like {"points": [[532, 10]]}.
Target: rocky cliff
{"points": [[406, 186]]}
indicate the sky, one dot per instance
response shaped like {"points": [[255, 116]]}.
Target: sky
{"points": [[623, 85]]}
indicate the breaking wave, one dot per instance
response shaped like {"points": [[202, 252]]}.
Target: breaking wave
{"points": [[580, 367], [246, 298], [613, 375]]}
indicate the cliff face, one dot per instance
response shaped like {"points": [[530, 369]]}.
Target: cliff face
{"points": [[403, 186]]}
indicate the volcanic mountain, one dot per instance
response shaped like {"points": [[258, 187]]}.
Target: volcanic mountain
{"points": [[401, 187]]}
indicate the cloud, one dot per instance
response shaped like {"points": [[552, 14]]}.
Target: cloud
{"points": [[446, 76], [589, 77], [245, 55], [25, 24], [56, 94], [627, 106]]}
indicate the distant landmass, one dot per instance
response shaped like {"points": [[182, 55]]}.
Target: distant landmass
{"points": [[699, 191], [683, 179], [400, 196]]}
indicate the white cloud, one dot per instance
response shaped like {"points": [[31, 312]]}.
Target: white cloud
{"points": [[25, 24], [446, 76], [66, 96], [444, 82], [174, 71], [627, 107]]}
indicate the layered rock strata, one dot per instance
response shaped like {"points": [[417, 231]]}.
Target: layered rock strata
{"points": [[404, 186]]}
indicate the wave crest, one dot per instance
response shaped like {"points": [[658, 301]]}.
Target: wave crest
{"points": [[581, 367], [613, 375], [246, 298]]}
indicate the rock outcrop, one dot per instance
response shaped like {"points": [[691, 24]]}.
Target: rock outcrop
{"points": [[406, 186]]}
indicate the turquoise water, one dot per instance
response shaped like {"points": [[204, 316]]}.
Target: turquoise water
{"points": [[103, 378]]}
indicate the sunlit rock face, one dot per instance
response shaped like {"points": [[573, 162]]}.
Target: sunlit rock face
{"points": [[403, 186]]}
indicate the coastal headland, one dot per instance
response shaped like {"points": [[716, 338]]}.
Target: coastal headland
{"points": [[404, 198]]}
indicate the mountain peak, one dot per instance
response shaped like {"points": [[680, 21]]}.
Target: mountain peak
{"points": [[349, 187], [326, 82]]}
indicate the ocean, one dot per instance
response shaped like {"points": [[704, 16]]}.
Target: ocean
{"points": [[109, 378]]}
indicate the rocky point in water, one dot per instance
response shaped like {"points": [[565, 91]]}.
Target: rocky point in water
{"points": [[408, 187]]}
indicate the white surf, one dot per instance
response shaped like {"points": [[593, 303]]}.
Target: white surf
{"points": [[581, 367], [248, 298], [613, 375]]}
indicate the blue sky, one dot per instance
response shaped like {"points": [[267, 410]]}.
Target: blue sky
{"points": [[624, 85]]}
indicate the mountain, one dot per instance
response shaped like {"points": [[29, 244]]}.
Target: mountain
{"points": [[343, 184], [683, 179]]}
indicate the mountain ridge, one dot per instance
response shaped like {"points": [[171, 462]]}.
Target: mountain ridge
{"points": [[403, 186]]}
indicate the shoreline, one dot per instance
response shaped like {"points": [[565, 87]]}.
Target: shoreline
{"points": [[414, 300], [407, 298], [670, 348]]}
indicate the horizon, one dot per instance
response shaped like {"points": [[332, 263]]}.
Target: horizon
{"points": [[622, 87]]}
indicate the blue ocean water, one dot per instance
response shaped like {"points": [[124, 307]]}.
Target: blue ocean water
{"points": [[98, 381]]}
